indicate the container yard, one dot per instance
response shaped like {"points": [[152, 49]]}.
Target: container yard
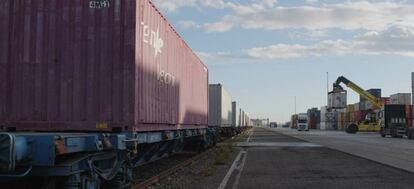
{"points": [[134, 94]]}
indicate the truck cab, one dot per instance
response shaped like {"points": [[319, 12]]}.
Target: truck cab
{"points": [[303, 122]]}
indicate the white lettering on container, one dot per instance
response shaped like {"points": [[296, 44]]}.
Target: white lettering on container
{"points": [[165, 77], [98, 4], [152, 38]]}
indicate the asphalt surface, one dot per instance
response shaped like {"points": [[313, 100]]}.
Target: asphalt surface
{"points": [[395, 152], [269, 159]]}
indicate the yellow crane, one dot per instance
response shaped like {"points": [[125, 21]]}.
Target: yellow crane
{"points": [[371, 122]]}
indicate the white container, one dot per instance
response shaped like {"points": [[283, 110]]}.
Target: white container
{"points": [[400, 98], [236, 114], [220, 106], [323, 113], [241, 121], [337, 100]]}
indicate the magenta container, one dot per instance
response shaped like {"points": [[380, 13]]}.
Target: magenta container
{"points": [[80, 65]]}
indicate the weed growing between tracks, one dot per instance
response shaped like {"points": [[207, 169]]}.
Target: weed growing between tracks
{"points": [[222, 153], [208, 171]]}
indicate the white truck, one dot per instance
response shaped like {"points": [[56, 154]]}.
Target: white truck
{"points": [[303, 122]]}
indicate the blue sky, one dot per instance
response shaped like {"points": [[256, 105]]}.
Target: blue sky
{"points": [[265, 52]]}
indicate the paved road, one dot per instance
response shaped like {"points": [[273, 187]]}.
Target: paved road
{"points": [[396, 152], [270, 159]]}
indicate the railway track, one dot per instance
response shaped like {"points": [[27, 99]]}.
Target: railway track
{"points": [[164, 169], [169, 171]]}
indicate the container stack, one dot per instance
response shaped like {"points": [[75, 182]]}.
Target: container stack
{"points": [[412, 96], [337, 100], [400, 98], [349, 115], [342, 120], [409, 113], [367, 105], [314, 118], [404, 99], [329, 118]]}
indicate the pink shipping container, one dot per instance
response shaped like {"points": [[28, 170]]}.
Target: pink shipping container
{"points": [[89, 65]]}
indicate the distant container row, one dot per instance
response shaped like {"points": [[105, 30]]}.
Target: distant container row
{"points": [[337, 115], [223, 111]]}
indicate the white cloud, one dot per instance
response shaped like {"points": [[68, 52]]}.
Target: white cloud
{"points": [[352, 15], [223, 57], [396, 40], [311, 1], [174, 5], [188, 24]]}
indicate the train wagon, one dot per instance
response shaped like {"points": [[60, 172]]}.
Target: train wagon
{"points": [[90, 89], [221, 110]]}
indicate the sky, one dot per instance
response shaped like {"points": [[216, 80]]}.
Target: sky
{"points": [[266, 52]]}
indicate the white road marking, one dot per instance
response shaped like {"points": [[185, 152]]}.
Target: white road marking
{"points": [[231, 170], [234, 166], [248, 138], [277, 144], [240, 168]]}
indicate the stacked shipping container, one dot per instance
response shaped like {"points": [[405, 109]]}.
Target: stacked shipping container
{"points": [[412, 96], [367, 105], [400, 98], [314, 118], [337, 100]]}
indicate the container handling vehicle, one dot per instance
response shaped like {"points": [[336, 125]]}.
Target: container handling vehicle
{"points": [[387, 119]]}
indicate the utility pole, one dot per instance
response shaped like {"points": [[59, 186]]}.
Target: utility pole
{"points": [[295, 104], [327, 88]]}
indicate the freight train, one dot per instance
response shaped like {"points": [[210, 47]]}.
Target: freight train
{"points": [[90, 89]]}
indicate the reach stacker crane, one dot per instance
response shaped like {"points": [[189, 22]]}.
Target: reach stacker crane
{"points": [[371, 122], [387, 119]]}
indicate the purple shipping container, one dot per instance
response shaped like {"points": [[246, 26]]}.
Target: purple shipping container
{"points": [[96, 65]]}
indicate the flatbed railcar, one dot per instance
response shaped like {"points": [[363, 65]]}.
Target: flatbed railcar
{"points": [[90, 89]]}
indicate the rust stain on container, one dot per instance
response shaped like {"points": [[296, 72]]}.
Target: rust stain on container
{"points": [[74, 64]]}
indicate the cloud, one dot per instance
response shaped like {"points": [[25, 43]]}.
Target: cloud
{"points": [[224, 57], [311, 1], [396, 40], [174, 5], [188, 24], [352, 15]]}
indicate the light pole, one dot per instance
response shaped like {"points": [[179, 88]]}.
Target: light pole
{"points": [[295, 105], [327, 88]]}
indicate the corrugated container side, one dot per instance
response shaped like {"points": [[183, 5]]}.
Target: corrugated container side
{"points": [[220, 109], [400, 98], [73, 67], [409, 114], [350, 108], [337, 100], [226, 109], [357, 107], [5, 36], [171, 79], [236, 114], [386, 100], [412, 86], [214, 110]]}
